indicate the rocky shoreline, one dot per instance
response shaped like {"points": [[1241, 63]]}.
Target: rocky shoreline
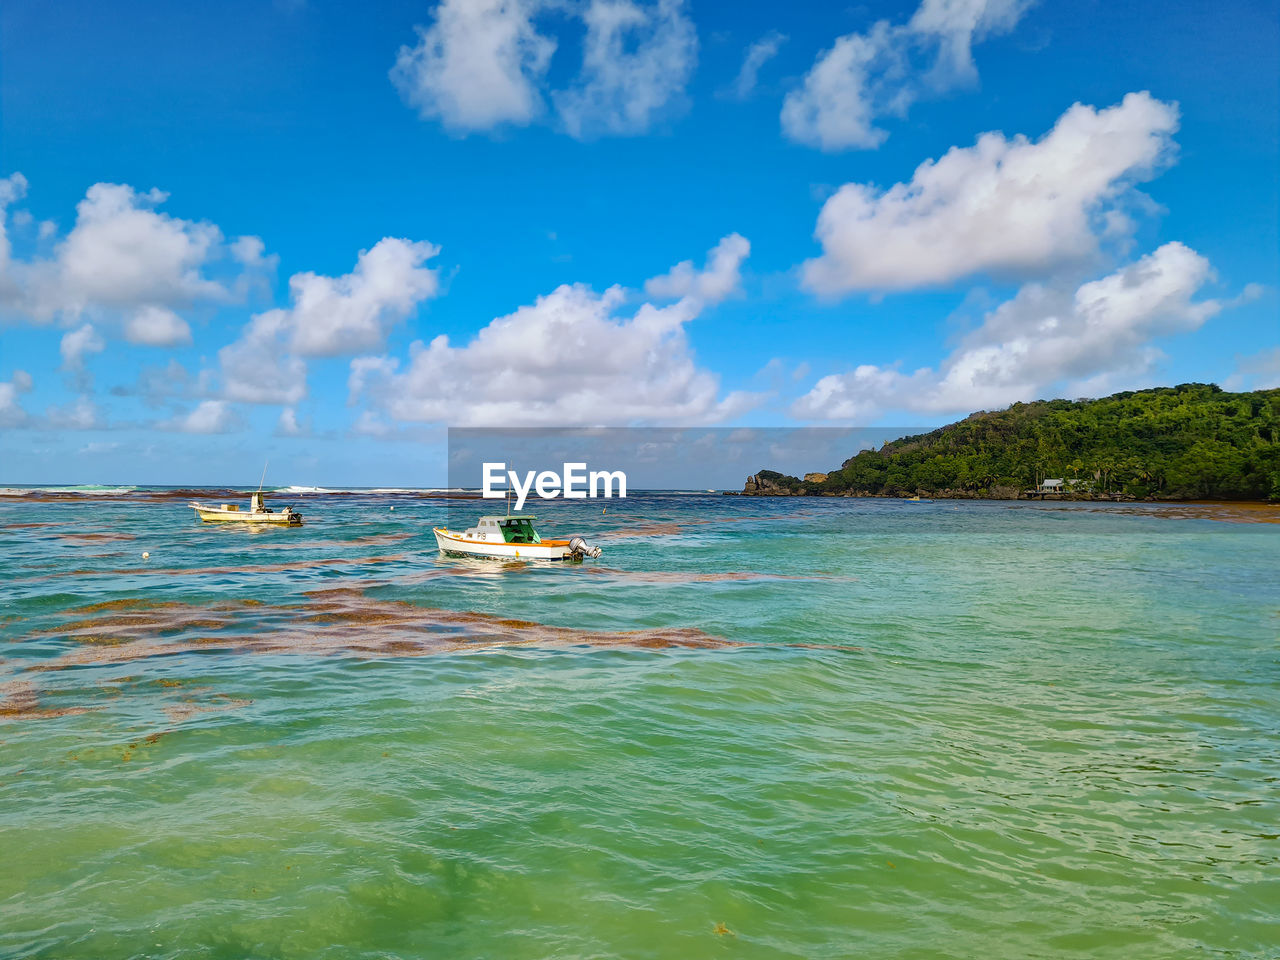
{"points": [[760, 485]]}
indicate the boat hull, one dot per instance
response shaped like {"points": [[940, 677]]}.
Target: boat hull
{"points": [[216, 515], [457, 545]]}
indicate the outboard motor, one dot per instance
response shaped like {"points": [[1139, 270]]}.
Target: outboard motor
{"points": [[579, 548]]}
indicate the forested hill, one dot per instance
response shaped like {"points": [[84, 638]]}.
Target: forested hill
{"points": [[1192, 441]]}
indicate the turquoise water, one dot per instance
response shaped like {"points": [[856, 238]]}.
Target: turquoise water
{"points": [[763, 728]]}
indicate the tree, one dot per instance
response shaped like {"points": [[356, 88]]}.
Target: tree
{"points": [[1190, 440]]}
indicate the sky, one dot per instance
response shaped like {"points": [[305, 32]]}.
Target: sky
{"points": [[322, 234]]}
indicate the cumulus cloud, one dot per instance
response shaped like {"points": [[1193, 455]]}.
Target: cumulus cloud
{"points": [[335, 315], [572, 357], [636, 60], [328, 316], [257, 368], [1002, 205], [882, 71], [77, 343], [477, 66], [125, 260], [209, 416], [758, 54], [482, 65], [1044, 338], [369, 424], [12, 189], [12, 413], [288, 425], [121, 252], [719, 278], [157, 327]]}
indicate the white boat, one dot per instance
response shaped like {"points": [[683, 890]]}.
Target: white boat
{"points": [[258, 512], [510, 538]]}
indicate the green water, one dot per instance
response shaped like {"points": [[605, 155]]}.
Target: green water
{"points": [[942, 730]]}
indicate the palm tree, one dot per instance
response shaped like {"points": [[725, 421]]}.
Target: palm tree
{"points": [[1107, 467]]}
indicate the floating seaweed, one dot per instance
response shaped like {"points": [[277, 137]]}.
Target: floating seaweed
{"points": [[20, 700]]}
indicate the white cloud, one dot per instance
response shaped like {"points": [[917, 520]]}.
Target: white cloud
{"points": [[477, 66], [369, 424], [572, 357], [1045, 338], [122, 253], [250, 251], [954, 25], [12, 189], [636, 60], [288, 425], [832, 110], [11, 412], [157, 327], [328, 316], [257, 368], [125, 260], [369, 370], [77, 343], [482, 65], [257, 267], [336, 315], [720, 277], [758, 54], [881, 72], [209, 416], [1002, 205]]}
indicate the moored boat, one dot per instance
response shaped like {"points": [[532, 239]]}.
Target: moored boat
{"points": [[258, 512], [510, 538]]}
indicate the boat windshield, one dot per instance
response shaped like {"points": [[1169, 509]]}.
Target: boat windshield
{"points": [[518, 530]]}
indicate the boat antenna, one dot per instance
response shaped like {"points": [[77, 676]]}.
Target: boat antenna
{"points": [[508, 501], [264, 474]]}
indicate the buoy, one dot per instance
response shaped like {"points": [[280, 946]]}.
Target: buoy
{"points": [[145, 555], [393, 508]]}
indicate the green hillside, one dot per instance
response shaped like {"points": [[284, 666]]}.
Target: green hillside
{"points": [[1191, 441]]}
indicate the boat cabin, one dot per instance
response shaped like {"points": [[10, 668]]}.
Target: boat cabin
{"points": [[504, 530]]}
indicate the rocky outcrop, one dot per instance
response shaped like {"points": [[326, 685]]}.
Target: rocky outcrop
{"points": [[768, 483], [815, 478]]}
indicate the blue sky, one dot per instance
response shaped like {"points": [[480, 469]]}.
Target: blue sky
{"points": [[521, 177]]}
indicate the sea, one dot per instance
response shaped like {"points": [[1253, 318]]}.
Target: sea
{"points": [[753, 728]]}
